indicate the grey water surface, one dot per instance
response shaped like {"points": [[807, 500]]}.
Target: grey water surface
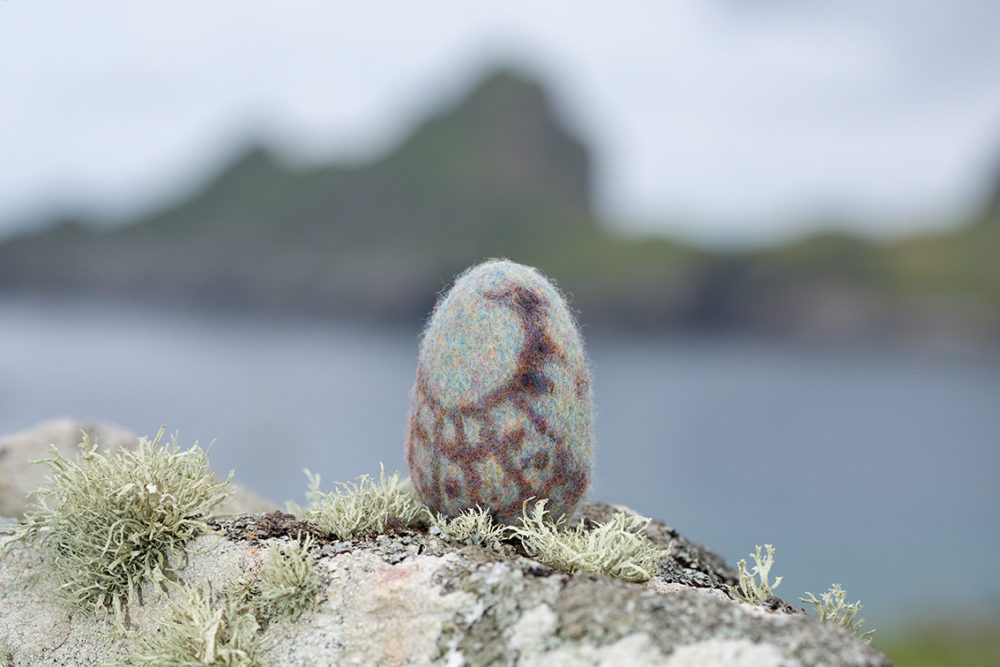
{"points": [[873, 466]]}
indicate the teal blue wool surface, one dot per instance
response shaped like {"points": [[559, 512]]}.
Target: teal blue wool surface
{"points": [[502, 409]]}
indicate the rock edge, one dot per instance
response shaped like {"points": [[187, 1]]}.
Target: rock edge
{"points": [[410, 598]]}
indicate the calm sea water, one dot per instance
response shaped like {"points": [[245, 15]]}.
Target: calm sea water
{"points": [[873, 467]]}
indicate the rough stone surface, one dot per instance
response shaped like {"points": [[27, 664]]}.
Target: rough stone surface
{"points": [[18, 476], [409, 598]]}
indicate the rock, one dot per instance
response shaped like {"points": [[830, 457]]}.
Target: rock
{"points": [[18, 476], [410, 598]]}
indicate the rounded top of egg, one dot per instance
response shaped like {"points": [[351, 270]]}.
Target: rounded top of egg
{"points": [[502, 409]]}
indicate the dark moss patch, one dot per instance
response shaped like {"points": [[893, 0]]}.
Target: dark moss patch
{"points": [[257, 527]]}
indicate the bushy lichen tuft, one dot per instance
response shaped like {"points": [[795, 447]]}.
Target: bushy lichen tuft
{"points": [[363, 508], [286, 586], [473, 526], [833, 607], [615, 548], [195, 632], [110, 522], [749, 589]]}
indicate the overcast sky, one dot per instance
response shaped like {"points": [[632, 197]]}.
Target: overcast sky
{"points": [[736, 121]]}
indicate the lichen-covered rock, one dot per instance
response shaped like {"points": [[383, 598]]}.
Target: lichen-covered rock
{"points": [[502, 409], [412, 598], [18, 476]]}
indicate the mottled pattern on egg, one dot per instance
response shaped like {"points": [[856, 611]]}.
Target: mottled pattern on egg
{"points": [[502, 409]]}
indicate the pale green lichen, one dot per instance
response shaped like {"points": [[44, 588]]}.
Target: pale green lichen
{"points": [[750, 589], [615, 548], [833, 607], [286, 586], [196, 631], [363, 508], [108, 523], [474, 526]]}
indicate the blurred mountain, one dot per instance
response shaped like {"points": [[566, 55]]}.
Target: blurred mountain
{"points": [[991, 212], [496, 175]]}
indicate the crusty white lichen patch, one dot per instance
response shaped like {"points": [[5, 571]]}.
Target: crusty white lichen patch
{"points": [[375, 613], [730, 653], [660, 585], [534, 628], [534, 643], [30, 622], [635, 649]]}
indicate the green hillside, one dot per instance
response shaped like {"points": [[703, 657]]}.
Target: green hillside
{"points": [[496, 175]]}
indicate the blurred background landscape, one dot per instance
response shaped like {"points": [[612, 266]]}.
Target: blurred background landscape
{"points": [[779, 225], [499, 174]]}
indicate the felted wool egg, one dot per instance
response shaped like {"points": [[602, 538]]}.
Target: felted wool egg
{"points": [[502, 409]]}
